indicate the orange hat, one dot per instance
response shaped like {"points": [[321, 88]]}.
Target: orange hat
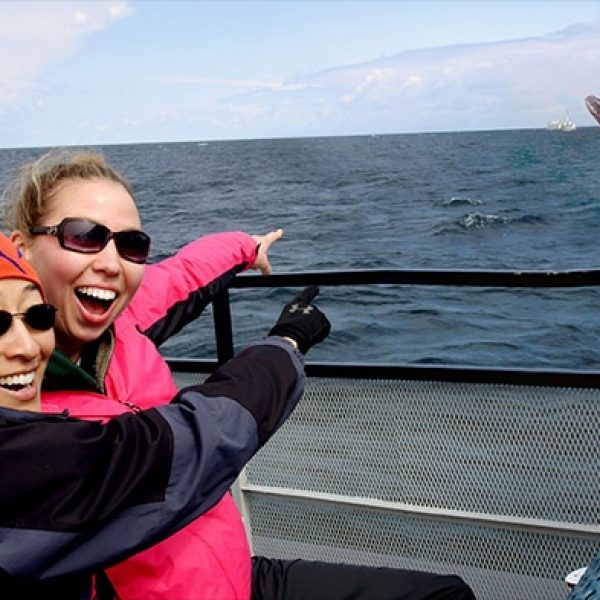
{"points": [[13, 266]]}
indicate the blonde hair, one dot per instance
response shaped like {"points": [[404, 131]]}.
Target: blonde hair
{"points": [[27, 198]]}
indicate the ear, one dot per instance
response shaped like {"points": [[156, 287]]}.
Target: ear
{"points": [[21, 243]]}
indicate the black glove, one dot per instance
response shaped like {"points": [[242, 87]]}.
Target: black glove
{"points": [[302, 321]]}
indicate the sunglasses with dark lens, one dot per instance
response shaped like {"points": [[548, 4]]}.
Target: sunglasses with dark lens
{"points": [[38, 316], [87, 237]]}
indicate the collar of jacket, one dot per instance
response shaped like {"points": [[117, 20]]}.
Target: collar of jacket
{"points": [[63, 374]]}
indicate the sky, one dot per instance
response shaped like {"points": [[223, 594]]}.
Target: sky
{"points": [[92, 72]]}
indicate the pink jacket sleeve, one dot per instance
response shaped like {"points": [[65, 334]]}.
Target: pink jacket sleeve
{"points": [[175, 291]]}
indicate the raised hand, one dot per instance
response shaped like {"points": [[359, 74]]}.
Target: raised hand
{"points": [[265, 242], [303, 322]]}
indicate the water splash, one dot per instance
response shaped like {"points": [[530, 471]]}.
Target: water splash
{"points": [[461, 201]]}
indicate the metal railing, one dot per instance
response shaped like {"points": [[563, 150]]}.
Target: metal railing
{"points": [[224, 334]]}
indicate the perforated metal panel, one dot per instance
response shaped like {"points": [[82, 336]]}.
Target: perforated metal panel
{"points": [[498, 483]]}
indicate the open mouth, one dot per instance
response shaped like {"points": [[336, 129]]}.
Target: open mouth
{"points": [[96, 301], [14, 383]]}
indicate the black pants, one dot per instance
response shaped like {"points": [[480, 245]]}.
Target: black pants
{"points": [[274, 579]]}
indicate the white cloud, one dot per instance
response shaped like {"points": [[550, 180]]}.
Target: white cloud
{"points": [[119, 10], [80, 17], [370, 83], [34, 35], [243, 83], [520, 83]]}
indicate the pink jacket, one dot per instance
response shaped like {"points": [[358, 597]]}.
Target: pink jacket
{"points": [[210, 558]]}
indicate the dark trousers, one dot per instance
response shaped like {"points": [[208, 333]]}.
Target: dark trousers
{"points": [[274, 579]]}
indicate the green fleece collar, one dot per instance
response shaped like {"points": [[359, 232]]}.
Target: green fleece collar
{"points": [[63, 374]]}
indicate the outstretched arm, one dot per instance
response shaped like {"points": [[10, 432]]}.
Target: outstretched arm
{"points": [[70, 489], [80, 495], [176, 290]]}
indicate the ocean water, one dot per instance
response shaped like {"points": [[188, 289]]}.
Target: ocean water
{"points": [[516, 200]]}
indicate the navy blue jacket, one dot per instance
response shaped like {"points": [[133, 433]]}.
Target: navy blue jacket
{"points": [[76, 496]]}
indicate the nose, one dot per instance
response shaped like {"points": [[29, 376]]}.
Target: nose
{"points": [[19, 342], [108, 259]]}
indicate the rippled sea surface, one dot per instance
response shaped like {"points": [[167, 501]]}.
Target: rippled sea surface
{"points": [[514, 200]]}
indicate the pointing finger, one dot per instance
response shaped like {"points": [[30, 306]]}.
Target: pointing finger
{"points": [[307, 295]]}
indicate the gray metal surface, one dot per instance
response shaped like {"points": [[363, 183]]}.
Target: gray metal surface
{"points": [[497, 483]]}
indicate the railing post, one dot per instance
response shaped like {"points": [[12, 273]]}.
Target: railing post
{"points": [[240, 498], [223, 328]]}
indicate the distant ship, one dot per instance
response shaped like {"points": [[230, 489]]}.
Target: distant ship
{"points": [[593, 105], [565, 124]]}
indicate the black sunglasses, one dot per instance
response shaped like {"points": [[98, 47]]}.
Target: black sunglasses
{"points": [[38, 316], [87, 237]]}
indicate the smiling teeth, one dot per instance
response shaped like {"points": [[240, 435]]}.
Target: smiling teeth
{"points": [[22, 379], [98, 293]]}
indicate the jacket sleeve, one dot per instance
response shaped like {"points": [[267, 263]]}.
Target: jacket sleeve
{"points": [[176, 290], [78, 495]]}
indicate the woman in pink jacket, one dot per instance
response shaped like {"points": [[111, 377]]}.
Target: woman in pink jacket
{"points": [[69, 488], [74, 218]]}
